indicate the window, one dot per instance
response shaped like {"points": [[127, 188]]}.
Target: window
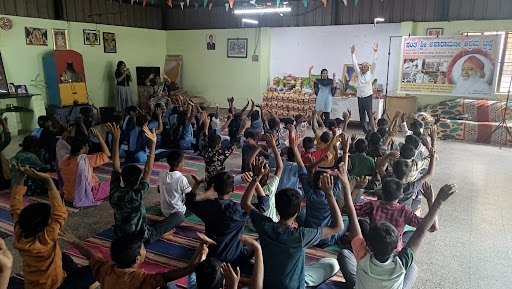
{"points": [[505, 61]]}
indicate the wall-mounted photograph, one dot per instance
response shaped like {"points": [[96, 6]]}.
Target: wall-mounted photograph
{"points": [[109, 42], [91, 37], [60, 39], [36, 36], [237, 47]]}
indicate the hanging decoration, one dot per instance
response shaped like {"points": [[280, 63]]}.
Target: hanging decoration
{"points": [[121, 1], [210, 6], [188, 3], [231, 3], [305, 3], [227, 6], [152, 1], [133, 0], [196, 4], [345, 1], [278, 2], [204, 3], [356, 1], [144, 3], [181, 4], [325, 3], [374, 23], [169, 2]]}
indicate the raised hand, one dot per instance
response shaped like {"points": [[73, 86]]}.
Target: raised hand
{"points": [[375, 46], [37, 175], [394, 155], [149, 134], [66, 235], [230, 277], [95, 133], [446, 192], [296, 140], [432, 152], [152, 76], [428, 193], [271, 141], [349, 112], [246, 122], [247, 177], [311, 68], [361, 182], [197, 180], [202, 250], [342, 172], [352, 49], [345, 142], [158, 111], [5, 258], [259, 167], [326, 183], [114, 130]]}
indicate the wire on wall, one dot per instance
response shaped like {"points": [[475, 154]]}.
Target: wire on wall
{"points": [[257, 40]]}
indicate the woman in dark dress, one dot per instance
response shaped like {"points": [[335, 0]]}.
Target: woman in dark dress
{"points": [[123, 94]]}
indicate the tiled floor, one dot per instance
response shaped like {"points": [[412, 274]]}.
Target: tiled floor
{"points": [[472, 249]]}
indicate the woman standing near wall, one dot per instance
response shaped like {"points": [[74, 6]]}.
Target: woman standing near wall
{"points": [[123, 94], [324, 90]]}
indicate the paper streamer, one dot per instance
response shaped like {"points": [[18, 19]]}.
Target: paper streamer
{"points": [[196, 4], [169, 2], [204, 3], [227, 6], [305, 3], [132, 2], [152, 1], [356, 1], [231, 3], [188, 3], [181, 4], [210, 6], [144, 3], [278, 2], [345, 1], [325, 3]]}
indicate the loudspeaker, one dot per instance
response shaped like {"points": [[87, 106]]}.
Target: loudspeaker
{"points": [[107, 114], [143, 72]]}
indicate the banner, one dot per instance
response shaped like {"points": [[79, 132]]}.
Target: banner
{"points": [[450, 65]]}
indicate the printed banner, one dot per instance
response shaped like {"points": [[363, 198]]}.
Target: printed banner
{"points": [[450, 65]]}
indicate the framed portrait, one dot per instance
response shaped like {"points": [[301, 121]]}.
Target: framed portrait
{"points": [[109, 42], [434, 31], [36, 36], [350, 79], [11, 88], [210, 42], [3, 78], [237, 47], [91, 37], [21, 89], [60, 39]]}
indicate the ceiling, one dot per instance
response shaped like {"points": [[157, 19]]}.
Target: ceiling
{"points": [[158, 14]]}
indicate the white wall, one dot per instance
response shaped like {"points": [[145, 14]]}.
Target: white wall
{"points": [[295, 49]]}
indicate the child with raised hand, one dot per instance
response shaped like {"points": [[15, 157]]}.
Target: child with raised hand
{"points": [[284, 246], [374, 263], [213, 274], [36, 230], [173, 185], [214, 157], [224, 219], [127, 254], [128, 200]]}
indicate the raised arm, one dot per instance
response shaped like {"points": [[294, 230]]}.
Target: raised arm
{"points": [[260, 168], [6, 265], [114, 130], [375, 56], [431, 165], [158, 112], [310, 77], [256, 281], [271, 142], [354, 60], [373, 127], [103, 145], [336, 225], [382, 163], [245, 107], [296, 152], [252, 109], [66, 235], [228, 121], [428, 194], [98, 114], [148, 80], [148, 167], [80, 124], [313, 122], [274, 116], [346, 119], [444, 193]]}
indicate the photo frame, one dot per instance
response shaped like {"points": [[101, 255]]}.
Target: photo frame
{"points": [[109, 42], [3, 79], [350, 79], [36, 36], [21, 89], [435, 31], [210, 41], [237, 48], [60, 39], [91, 37], [11, 88]]}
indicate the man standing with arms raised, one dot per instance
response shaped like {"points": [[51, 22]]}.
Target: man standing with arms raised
{"points": [[365, 87]]}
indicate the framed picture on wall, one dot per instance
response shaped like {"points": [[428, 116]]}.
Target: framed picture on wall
{"points": [[36, 36], [237, 47], [91, 37], [350, 79], [434, 31], [210, 42], [109, 42], [60, 39]]}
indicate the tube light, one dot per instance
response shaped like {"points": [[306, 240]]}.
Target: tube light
{"points": [[263, 10], [249, 21], [379, 19]]}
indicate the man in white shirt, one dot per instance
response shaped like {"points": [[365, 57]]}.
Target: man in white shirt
{"points": [[365, 85], [472, 79], [172, 185]]}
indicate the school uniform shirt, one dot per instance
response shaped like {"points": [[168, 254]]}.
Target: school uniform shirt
{"points": [[361, 165], [112, 277], [397, 215], [290, 174], [371, 273], [224, 221], [173, 187], [329, 163], [283, 249], [129, 209], [257, 126], [42, 257]]}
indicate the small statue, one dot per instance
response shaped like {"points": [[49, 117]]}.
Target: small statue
{"points": [[289, 82]]}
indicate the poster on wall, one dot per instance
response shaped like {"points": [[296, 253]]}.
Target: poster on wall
{"points": [[450, 65], [172, 70]]}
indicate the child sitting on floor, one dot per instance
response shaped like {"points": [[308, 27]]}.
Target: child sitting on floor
{"points": [[250, 149], [283, 246], [359, 163], [130, 118], [36, 231], [214, 157], [224, 219], [127, 254], [323, 140], [128, 201], [172, 185], [213, 274], [373, 263]]}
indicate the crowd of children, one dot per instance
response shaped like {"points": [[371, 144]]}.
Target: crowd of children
{"points": [[377, 183]]}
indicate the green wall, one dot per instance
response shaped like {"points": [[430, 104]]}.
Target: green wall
{"points": [[137, 47], [214, 76], [452, 28]]}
